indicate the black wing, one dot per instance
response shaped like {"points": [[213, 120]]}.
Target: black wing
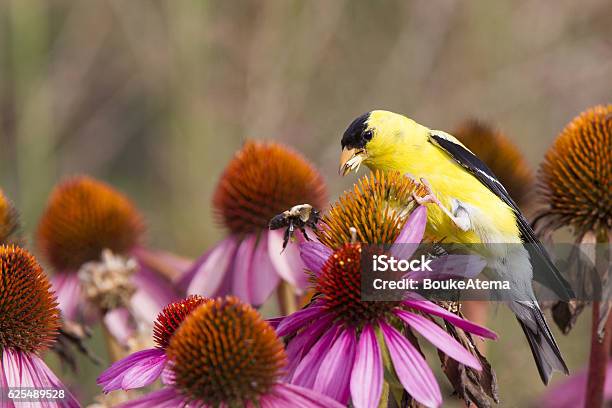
{"points": [[544, 270]]}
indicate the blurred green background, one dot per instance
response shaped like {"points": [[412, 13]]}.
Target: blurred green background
{"points": [[155, 96]]}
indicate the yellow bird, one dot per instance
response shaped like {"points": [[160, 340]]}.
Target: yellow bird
{"points": [[470, 206]]}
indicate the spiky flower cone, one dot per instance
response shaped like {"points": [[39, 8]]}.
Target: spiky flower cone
{"points": [[263, 180], [172, 316], [225, 353], [29, 317], [502, 156], [83, 217], [377, 208], [576, 175]]}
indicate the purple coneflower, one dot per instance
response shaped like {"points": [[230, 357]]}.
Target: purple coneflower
{"points": [[574, 178], [336, 349], [262, 180], [144, 367], [29, 321], [225, 355], [83, 218], [336, 343], [574, 183]]}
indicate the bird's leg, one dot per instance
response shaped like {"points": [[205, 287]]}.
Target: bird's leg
{"points": [[459, 214]]}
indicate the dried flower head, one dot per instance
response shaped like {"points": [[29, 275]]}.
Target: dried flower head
{"points": [[576, 175], [29, 317], [502, 156], [171, 317], [83, 217], [9, 222], [225, 353], [107, 283], [377, 208], [263, 180]]}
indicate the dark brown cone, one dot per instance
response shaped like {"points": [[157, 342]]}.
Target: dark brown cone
{"points": [[263, 180], [224, 352], [83, 217], [29, 317], [377, 207], [576, 175]]}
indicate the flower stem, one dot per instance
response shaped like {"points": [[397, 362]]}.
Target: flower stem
{"points": [[598, 360], [601, 341], [287, 301], [114, 349]]}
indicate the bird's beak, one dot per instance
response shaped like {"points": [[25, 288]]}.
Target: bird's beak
{"points": [[351, 159]]}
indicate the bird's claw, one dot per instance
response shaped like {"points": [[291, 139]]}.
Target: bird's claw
{"points": [[430, 197], [462, 222]]}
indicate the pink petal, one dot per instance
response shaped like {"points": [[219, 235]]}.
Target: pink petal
{"points": [[287, 395], [439, 338], [423, 305], [174, 265], [134, 371], [26, 370], [264, 275], [241, 269], [209, 273], [167, 375], [12, 362], [120, 324], [306, 372], [182, 282], [367, 373], [288, 264], [68, 291], [297, 320], [411, 235], [270, 400], [411, 368], [164, 398], [153, 292], [302, 342], [335, 371], [275, 321], [254, 277], [314, 255]]}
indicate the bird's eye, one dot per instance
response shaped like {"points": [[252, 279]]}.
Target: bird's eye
{"points": [[367, 135]]}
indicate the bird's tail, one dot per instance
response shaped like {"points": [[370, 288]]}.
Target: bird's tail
{"points": [[545, 351]]}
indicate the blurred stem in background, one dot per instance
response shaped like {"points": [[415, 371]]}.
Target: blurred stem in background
{"points": [[115, 350], [601, 342], [287, 299]]}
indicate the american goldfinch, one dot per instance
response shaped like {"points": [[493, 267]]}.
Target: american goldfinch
{"points": [[466, 205]]}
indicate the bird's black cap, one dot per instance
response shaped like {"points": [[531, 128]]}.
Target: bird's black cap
{"points": [[355, 135]]}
